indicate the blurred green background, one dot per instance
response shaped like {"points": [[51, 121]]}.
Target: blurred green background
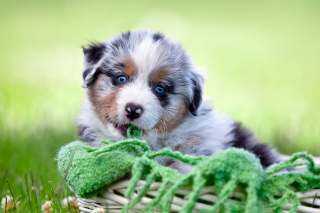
{"points": [[261, 59]]}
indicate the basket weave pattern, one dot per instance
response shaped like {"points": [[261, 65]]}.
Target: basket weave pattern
{"points": [[113, 200]]}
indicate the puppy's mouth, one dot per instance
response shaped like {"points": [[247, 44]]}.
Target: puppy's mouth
{"points": [[122, 128]]}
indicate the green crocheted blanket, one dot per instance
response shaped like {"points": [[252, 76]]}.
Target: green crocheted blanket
{"points": [[90, 170]]}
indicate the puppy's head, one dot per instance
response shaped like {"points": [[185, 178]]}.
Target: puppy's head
{"points": [[141, 78]]}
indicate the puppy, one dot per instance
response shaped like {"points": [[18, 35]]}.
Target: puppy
{"points": [[145, 79]]}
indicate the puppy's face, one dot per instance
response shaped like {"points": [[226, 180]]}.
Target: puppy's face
{"points": [[141, 78]]}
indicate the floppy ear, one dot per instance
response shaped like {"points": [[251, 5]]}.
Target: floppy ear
{"points": [[92, 55], [196, 99]]}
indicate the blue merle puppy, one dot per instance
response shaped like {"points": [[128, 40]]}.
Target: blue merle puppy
{"points": [[146, 79]]}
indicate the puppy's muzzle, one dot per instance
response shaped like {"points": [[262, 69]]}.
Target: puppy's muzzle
{"points": [[133, 111]]}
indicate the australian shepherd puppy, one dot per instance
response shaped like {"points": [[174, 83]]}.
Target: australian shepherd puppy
{"points": [[145, 79]]}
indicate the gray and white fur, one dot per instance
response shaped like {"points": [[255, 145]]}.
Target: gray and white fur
{"points": [[145, 79]]}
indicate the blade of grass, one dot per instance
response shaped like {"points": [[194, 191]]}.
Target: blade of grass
{"points": [[314, 199], [14, 203], [28, 192]]}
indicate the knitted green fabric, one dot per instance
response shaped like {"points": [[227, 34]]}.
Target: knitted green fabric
{"points": [[89, 170], [88, 174]]}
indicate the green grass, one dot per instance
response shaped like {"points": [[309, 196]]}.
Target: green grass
{"points": [[261, 58]]}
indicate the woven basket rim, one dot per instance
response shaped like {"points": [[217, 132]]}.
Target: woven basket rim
{"points": [[113, 200]]}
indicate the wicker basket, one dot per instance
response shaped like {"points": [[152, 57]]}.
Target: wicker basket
{"points": [[113, 200]]}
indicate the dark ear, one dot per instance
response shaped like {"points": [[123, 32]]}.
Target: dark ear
{"points": [[196, 99], [92, 54]]}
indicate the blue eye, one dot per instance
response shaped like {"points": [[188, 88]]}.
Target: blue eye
{"points": [[122, 79], [159, 89]]}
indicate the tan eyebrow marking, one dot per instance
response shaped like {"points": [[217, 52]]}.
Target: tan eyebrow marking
{"points": [[129, 67], [158, 75]]}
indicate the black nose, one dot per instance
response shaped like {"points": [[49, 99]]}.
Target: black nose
{"points": [[133, 111]]}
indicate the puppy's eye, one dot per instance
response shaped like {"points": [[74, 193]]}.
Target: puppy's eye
{"points": [[159, 89], [122, 79]]}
